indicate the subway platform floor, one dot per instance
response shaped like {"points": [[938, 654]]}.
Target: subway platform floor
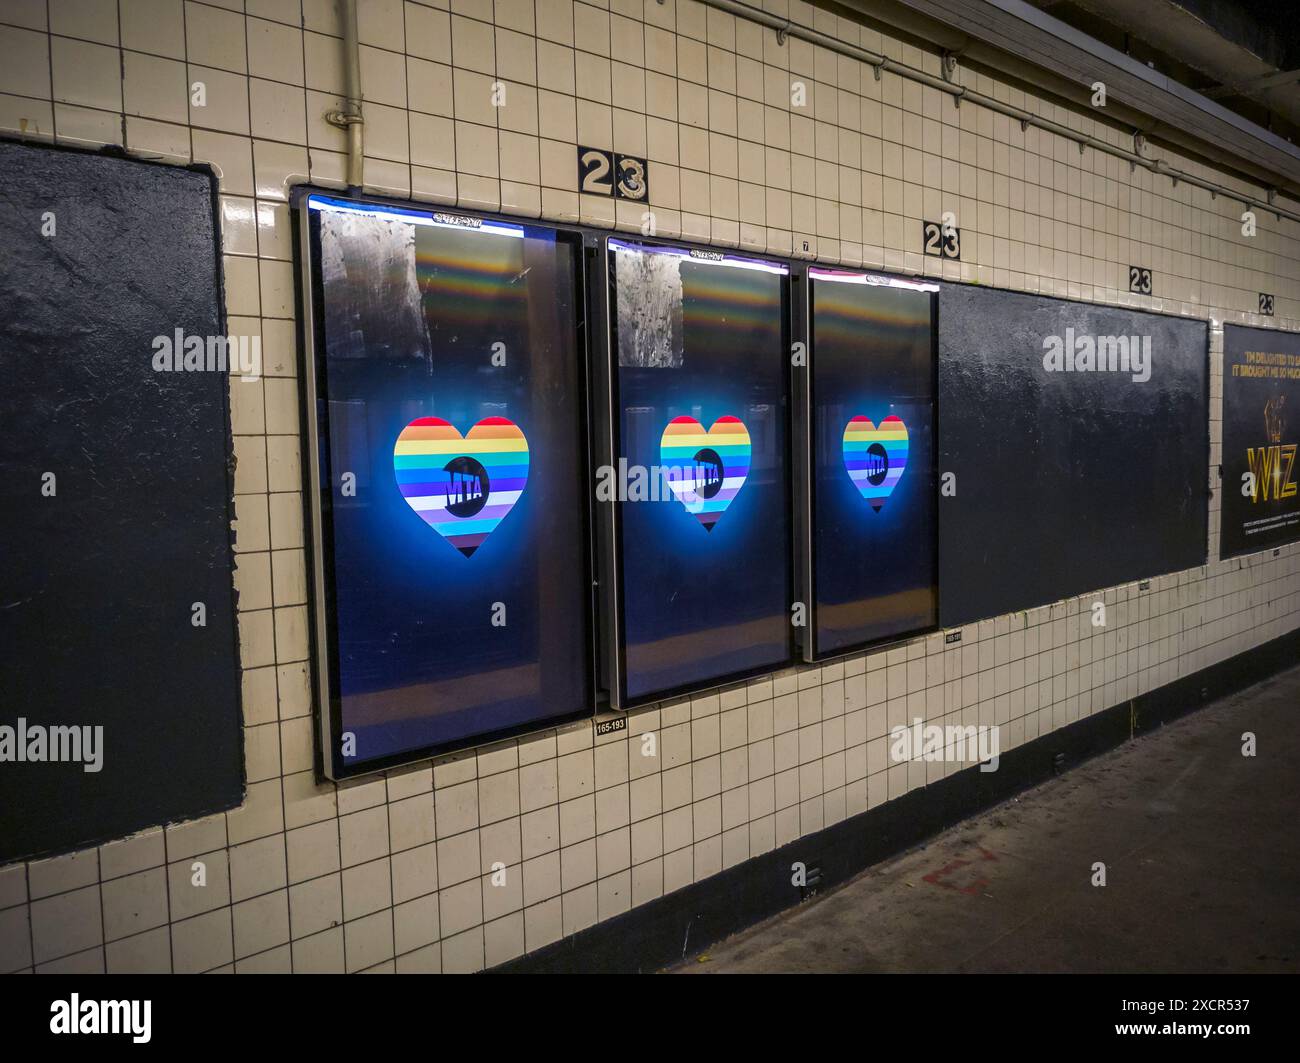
{"points": [[1201, 847]]}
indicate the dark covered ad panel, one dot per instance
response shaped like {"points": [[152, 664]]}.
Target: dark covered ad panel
{"points": [[120, 690], [1261, 429], [448, 489], [1073, 448]]}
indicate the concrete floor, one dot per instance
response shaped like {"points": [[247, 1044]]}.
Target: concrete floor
{"points": [[1202, 854]]}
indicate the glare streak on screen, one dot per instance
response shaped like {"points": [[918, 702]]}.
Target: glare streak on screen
{"points": [[698, 350], [451, 475], [873, 451]]}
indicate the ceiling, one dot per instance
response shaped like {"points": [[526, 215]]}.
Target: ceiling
{"points": [[1217, 79], [1245, 54]]}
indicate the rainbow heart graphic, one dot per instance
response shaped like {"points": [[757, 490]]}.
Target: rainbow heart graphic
{"points": [[705, 470], [461, 487], [875, 457]]}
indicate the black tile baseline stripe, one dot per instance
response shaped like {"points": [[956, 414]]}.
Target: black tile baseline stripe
{"points": [[662, 931]]}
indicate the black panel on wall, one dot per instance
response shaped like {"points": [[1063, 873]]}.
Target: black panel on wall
{"points": [[1068, 477], [1261, 430], [115, 505]]}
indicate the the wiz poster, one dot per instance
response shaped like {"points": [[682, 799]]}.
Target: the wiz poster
{"points": [[699, 381], [453, 581], [872, 436], [1261, 430]]}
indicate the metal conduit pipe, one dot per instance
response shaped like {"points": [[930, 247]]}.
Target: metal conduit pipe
{"points": [[959, 93], [350, 117]]}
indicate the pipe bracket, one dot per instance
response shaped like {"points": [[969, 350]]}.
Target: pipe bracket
{"points": [[343, 119]]}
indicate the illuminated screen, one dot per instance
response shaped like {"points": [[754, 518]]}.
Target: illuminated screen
{"points": [[699, 382], [873, 499], [452, 517]]}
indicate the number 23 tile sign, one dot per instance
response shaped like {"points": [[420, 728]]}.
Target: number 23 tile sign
{"points": [[607, 173]]}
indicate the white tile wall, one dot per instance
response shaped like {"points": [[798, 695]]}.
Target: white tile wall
{"points": [[396, 873]]}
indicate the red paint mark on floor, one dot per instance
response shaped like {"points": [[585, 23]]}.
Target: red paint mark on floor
{"points": [[970, 883]]}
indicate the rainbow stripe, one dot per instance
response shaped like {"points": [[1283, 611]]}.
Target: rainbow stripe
{"points": [[467, 279], [428, 445], [705, 488], [875, 457]]}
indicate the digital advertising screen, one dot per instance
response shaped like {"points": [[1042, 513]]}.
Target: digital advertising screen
{"points": [[871, 434], [1261, 429], [699, 388], [450, 487]]}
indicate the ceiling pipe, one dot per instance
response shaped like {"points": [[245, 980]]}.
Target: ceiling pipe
{"points": [[907, 21], [960, 93], [350, 118]]}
